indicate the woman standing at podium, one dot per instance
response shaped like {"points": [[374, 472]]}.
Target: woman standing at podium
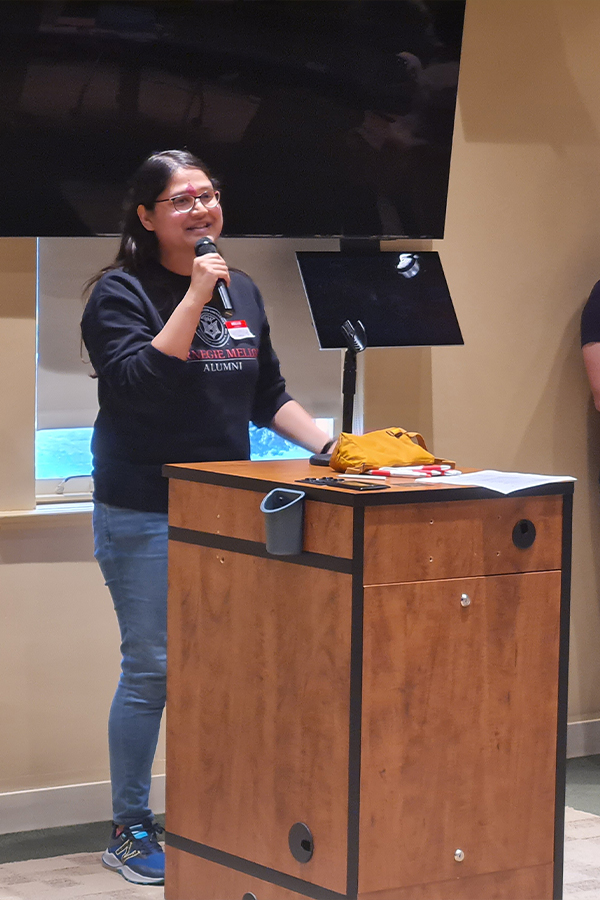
{"points": [[177, 382]]}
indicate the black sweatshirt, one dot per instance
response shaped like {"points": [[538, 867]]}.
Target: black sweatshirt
{"points": [[157, 409], [590, 318]]}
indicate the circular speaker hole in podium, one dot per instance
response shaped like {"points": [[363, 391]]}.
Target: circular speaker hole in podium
{"points": [[301, 843], [249, 896], [523, 534]]}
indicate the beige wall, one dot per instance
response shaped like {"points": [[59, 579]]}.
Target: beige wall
{"points": [[521, 253], [17, 372], [60, 656]]}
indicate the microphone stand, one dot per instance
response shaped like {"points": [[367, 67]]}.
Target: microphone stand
{"points": [[348, 389], [356, 341]]}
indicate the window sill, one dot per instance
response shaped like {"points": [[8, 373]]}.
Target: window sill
{"points": [[68, 498], [52, 513]]}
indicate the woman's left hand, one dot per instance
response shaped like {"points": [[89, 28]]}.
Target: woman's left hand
{"points": [[294, 423]]}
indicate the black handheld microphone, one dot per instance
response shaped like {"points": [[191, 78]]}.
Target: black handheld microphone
{"points": [[220, 299]]}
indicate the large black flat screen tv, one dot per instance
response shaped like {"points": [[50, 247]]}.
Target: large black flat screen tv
{"points": [[319, 117], [401, 299]]}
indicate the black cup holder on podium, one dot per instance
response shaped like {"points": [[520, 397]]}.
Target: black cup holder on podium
{"points": [[283, 510]]}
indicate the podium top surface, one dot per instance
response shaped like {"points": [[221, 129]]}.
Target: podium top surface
{"points": [[265, 475]]}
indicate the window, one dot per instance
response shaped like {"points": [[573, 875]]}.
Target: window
{"points": [[66, 394], [63, 461]]}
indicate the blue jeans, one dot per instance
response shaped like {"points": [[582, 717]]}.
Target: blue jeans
{"points": [[131, 548]]}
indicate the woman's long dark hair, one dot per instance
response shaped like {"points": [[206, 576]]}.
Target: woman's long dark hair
{"points": [[139, 246]]}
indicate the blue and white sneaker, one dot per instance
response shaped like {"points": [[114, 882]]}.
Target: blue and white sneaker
{"points": [[136, 854]]}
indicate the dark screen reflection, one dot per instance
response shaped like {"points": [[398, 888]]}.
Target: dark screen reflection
{"points": [[320, 117]]}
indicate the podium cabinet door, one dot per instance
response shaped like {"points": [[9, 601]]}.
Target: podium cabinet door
{"points": [[459, 729], [258, 708]]}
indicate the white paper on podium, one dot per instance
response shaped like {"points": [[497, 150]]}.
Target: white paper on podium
{"points": [[502, 482]]}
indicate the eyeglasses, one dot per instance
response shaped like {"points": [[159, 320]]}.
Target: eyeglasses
{"points": [[184, 203]]}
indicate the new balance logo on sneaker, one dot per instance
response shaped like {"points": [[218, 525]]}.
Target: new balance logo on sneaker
{"points": [[135, 853]]}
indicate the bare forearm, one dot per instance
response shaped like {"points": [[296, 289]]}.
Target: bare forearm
{"points": [[292, 421], [176, 337]]}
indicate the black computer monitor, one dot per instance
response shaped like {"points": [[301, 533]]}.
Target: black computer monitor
{"points": [[401, 298]]}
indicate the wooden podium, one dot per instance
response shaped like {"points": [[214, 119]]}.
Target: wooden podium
{"points": [[380, 717]]}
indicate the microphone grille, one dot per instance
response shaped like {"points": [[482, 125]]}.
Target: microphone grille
{"points": [[204, 245]]}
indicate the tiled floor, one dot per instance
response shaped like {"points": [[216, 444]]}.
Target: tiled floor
{"points": [[582, 856], [69, 878]]}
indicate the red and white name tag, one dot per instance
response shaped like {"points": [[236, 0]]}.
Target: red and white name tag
{"points": [[238, 329]]}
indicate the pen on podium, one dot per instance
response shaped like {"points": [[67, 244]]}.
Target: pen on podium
{"points": [[361, 477]]}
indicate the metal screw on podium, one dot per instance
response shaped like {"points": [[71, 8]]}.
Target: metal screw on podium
{"points": [[465, 600], [459, 855]]}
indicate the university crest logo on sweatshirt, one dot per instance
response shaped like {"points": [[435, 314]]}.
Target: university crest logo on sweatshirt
{"points": [[212, 330]]}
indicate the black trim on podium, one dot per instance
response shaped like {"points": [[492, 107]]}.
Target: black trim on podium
{"points": [[356, 674], [255, 548], [260, 485], [563, 684], [254, 870]]}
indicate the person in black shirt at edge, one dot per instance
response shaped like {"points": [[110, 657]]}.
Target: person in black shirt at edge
{"points": [[176, 383], [590, 341]]}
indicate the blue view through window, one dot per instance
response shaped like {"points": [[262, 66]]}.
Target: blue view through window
{"points": [[65, 452]]}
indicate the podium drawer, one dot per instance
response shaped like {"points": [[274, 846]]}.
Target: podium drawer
{"points": [[190, 877], [464, 538], [235, 513]]}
